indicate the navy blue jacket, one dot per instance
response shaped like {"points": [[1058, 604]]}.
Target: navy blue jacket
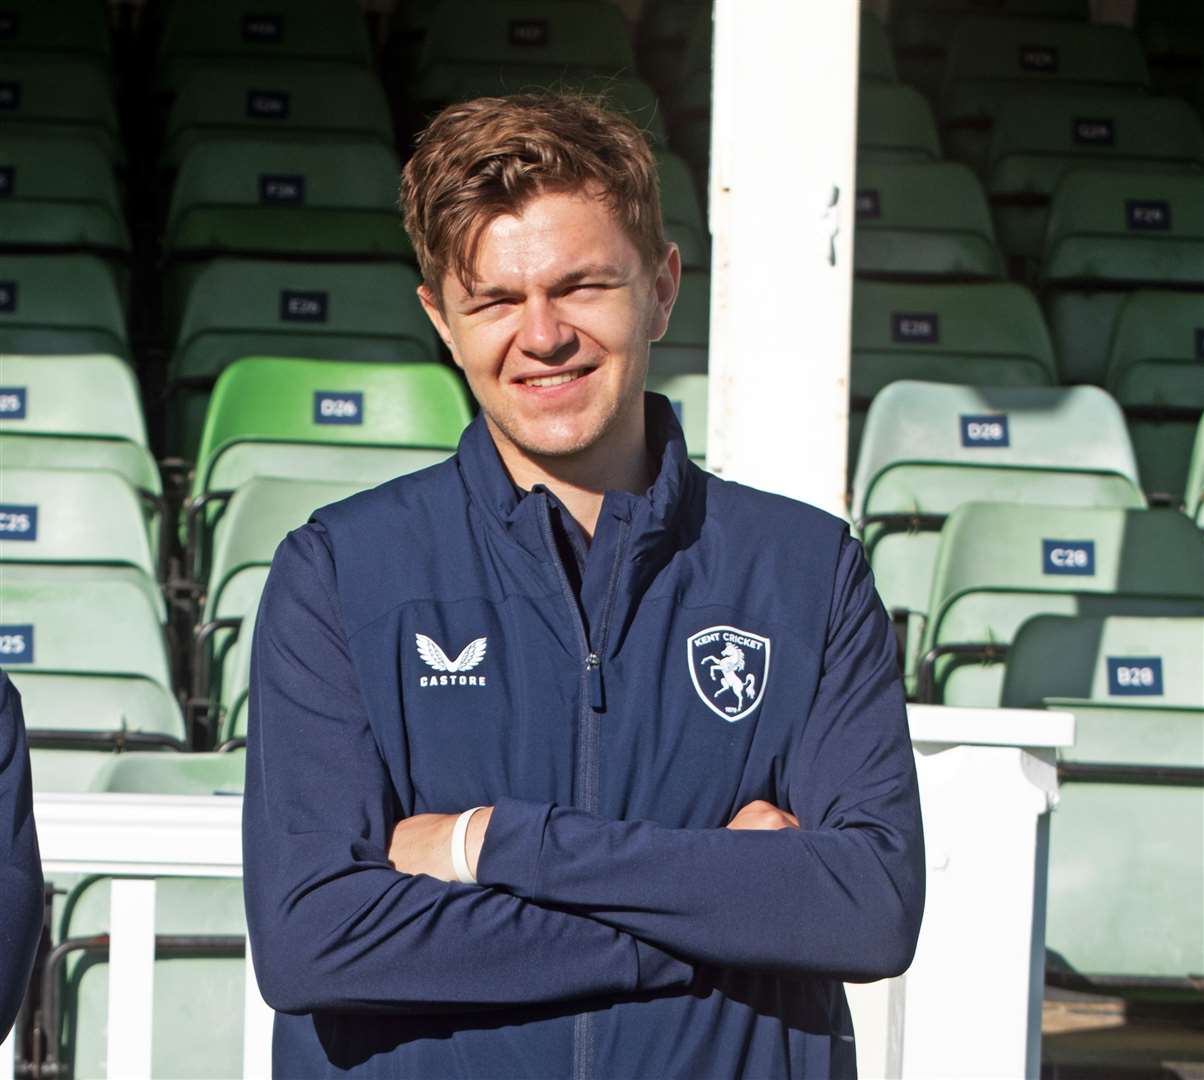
{"points": [[20, 864], [419, 648]]}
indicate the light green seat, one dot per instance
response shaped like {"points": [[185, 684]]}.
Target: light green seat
{"points": [[173, 774], [931, 447], [894, 123], [1193, 495], [875, 61], [57, 304], [1109, 234], [1156, 372], [198, 1007], [993, 59], [923, 220], [60, 97], [1126, 846], [1038, 139], [286, 101], [683, 349], [1000, 564], [234, 706], [307, 199], [985, 334], [681, 212], [687, 393], [58, 193]]}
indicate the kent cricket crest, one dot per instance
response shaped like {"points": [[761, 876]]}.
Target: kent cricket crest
{"points": [[728, 667]]}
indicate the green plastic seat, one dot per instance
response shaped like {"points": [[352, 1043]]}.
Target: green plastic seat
{"points": [[1038, 139], [1193, 495], [1109, 234], [54, 304], [1126, 847], [235, 705], [929, 448], [198, 986], [681, 212], [173, 774], [60, 97], [1172, 32], [683, 349], [992, 59], [661, 37], [75, 28], [287, 101], [1155, 372], [687, 393], [875, 61], [59, 194], [1000, 564], [894, 123], [689, 98], [925, 220], [195, 34], [311, 199]]}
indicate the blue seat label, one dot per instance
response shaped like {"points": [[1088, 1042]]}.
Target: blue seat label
{"points": [[1133, 676], [1039, 58], [8, 296], [302, 306], [986, 430], [1094, 131], [1068, 557], [869, 204], [13, 400], [267, 105], [1200, 342], [280, 188], [18, 522], [266, 29], [529, 33], [1148, 215], [915, 328], [8, 180], [16, 644], [10, 96], [10, 24], [338, 407]]}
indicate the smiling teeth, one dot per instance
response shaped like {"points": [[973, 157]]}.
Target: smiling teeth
{"points": [[554, 380]]}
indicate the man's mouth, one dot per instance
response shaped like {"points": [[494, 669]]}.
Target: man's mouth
{"points": [[541, 381]]}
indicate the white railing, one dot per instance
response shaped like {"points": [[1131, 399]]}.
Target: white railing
{"points": [[970, 1005]]}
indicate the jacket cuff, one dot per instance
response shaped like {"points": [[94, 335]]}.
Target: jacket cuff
{"points": [[657, 970], [510, 854]]}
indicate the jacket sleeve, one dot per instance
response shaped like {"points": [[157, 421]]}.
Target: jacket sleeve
{"points": [[20, 863], [842, 895], [332, 924]]}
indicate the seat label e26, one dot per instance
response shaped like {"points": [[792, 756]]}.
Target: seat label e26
{"points": [[16, 644], [1076, 557], [985, 431], [303, 306], [338, 407], [1135, 676], [915, 328], [13, 401], [267, 105]]}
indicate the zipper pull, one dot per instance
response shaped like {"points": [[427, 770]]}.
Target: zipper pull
{"points": [[593, 667]]}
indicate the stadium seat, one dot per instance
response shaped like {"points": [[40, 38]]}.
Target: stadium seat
{"points": [[1172, 32], [60, 97], [1038, 139], [894, 123], [682, 214], [661, 36], [293, 102], [988, 334], [683, 349], [1127, 840], [173, 774], [929, 448], [199, 32], [58, 195], [1109, 234], [992, 59], [199, 976], [56, 304], [77, 29], [875, 61], [689, 99], [1000, 564], [238, 307], [923, 220], [687, 393], [305, 199], [1155, 371], [1193, 497]]}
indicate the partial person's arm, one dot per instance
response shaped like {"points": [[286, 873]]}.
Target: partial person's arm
{"points": [[332, 924], [20, 863], [842, 895]]}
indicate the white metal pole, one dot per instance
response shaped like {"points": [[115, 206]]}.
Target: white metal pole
{"points": [[131, 977], [783, 142], [257, 1024]]}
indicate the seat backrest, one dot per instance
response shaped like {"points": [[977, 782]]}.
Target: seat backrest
{"points": [[1156, 351], [93, 395], [352, 311], [687, 393], [75, 28], [894, 123], [875, 61], [681, 211], [267, 399], [59, 304], [60, 95], [81, 517], [173, 774], [683, 349], [923, 220], [1193, 496], [929, 447]]}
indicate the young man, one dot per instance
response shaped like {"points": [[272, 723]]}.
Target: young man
{"points": [[672, 702]]}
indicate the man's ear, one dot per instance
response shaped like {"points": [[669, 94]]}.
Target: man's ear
{"points": [[430, 304], [665, 286]]}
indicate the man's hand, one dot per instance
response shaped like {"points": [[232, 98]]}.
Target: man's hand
{"points": [[760, 814], [422, 844]]}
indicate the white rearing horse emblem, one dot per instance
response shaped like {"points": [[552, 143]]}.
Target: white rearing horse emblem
{"points": [[728, 666]]}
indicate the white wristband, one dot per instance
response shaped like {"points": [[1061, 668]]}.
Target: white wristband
{"points": [[459, 847]]}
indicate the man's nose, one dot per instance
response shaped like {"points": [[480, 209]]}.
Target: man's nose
{"points": [[543, 333]]}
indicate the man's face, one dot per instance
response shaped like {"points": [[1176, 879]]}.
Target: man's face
{"points": [[553, 338]]}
